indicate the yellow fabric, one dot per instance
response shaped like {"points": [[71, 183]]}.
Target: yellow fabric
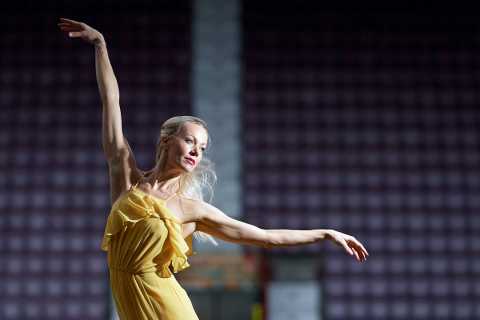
{"points": [[145, 244]]}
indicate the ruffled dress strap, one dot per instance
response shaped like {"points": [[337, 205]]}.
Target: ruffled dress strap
{"points": [[137, 205]]}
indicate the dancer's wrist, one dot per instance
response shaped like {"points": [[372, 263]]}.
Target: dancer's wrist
{"points": [[99, 42]]}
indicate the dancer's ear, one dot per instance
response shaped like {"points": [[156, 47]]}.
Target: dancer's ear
{"points": [[165, 142]]}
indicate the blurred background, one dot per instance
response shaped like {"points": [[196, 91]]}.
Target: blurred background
{"points": [[363, 119]]}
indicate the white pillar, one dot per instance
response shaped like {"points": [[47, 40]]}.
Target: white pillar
{"points": [[216, 82]]}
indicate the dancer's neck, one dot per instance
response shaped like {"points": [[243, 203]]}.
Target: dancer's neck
{"points": [[164, 181]]}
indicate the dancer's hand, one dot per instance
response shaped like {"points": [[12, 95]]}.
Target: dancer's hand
{"points": [[351, 245], [76, 29]]}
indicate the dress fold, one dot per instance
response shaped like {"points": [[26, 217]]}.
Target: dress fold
{"points": [[145, 247]]}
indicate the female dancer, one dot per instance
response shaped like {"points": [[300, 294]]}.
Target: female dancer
{"points": [[154, 211]]}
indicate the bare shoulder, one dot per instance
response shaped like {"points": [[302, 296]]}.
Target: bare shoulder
{"points": [[195, 209]]}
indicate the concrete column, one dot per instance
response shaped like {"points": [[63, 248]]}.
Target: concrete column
{"points": [[216, 82]]}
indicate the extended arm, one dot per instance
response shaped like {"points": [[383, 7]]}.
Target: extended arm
{"points": [[113, 140], [122, 165], [216, 223], [112, 133], [213, 221]]}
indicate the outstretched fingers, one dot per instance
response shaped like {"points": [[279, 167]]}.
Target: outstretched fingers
{"points": [[345, 245], [70, 24], [69, 28], [358, 254], [359, 249], [349, 243], [70, 21]]}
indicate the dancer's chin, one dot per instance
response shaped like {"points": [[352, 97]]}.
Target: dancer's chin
{"points": [[188, 169], [187, 166]]}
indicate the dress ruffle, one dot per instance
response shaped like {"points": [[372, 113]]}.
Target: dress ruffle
{"points": [[137, 206]]}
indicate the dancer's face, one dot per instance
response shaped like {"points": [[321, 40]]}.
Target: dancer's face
{"points": [[185, 149]]}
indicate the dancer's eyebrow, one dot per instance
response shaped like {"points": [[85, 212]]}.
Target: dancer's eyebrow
{"points": [[195, 138]]}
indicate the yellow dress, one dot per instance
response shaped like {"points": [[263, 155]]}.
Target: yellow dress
{"points": [[144, 244]]}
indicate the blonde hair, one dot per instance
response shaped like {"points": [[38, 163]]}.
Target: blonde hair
{"points": [[200, 181]]}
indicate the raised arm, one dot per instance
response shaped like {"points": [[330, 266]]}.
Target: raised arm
{"points": [[112, 133], [119, 155], [213, 221]]}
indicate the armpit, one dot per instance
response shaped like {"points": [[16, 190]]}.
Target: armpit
{"points": [[190, 208]]}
